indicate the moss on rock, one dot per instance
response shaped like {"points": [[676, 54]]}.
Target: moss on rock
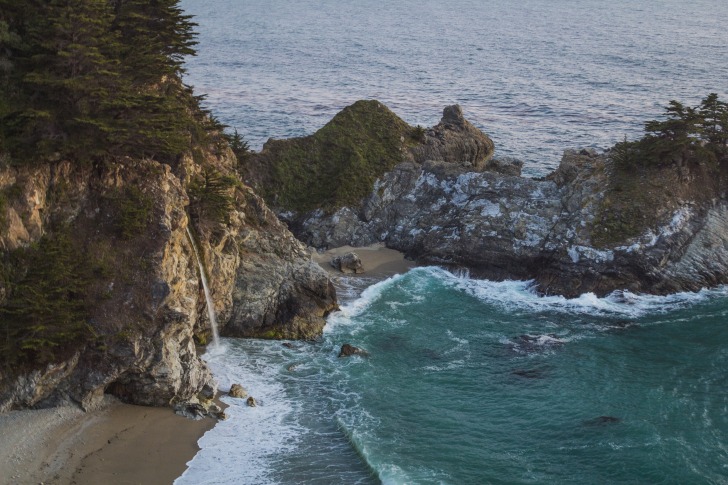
{"points": [[336, 166]]}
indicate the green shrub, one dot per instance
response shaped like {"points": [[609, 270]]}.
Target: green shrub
{"points": [[45, 311], [134, 212], [211, 196]]}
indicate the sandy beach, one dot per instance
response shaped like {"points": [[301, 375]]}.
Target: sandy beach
{"points": [[124, 444], [116, 444], [378, 261]]}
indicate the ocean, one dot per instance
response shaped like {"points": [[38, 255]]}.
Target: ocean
{"points": [[472, 381]]}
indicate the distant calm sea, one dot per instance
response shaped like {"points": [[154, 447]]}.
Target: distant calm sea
{"points": [[473, 382]]}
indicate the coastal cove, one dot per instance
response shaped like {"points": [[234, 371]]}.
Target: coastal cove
{"points": [[473, 381], [470, 380], [362, 242]]}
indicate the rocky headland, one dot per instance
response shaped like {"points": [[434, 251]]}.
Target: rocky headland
{"points": [[121, 226], [593, 225]]}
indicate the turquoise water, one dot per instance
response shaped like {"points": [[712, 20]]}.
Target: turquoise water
{"points": [[480, 382], [472, 381]]}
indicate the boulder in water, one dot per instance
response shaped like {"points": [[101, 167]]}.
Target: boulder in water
{"points": [[347, 350], [251, 402], [236, 390]]}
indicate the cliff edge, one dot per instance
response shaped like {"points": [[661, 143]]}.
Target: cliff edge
{"points": [[101, 291]]}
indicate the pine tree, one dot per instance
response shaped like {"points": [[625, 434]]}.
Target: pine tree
{"points": [[95, 78], [157, 36], [714, 120], [46, 309]]}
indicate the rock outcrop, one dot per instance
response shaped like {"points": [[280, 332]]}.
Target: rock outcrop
{"points": [[238, 391], [348, 263], [128, 220], [338, 165], [348, 350], [587, 227]]}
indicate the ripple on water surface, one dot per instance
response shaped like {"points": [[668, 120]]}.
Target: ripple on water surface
{"points": [[537, 76]]}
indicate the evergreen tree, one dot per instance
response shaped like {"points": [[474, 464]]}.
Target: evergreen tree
{"points": [[714, 120], [157, 36], [92, 78], [46, 309]]}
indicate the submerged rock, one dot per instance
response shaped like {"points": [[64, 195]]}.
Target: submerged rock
{"points": [[529, 373], [347, 350], [602, 421], [534, 343]]}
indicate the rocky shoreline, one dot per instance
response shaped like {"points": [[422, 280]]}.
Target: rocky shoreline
{"points": [[572, 232], [438, 196]]}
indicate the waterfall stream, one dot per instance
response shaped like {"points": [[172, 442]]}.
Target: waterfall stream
{"points": [[206, 287]]}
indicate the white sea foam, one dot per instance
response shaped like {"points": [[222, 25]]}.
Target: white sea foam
{"points": [[345, 315], [240, 449], [521, 296]]}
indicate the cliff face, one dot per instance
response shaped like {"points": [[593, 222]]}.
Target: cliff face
{"points": [[127, 221], [584, 228]]}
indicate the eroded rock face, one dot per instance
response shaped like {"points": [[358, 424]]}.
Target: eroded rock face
{"points": [[152, 308], [506, 226], [144, 323], [456, 141]]}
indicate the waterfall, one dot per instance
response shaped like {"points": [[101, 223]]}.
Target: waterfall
{"points": [[206, 287]]}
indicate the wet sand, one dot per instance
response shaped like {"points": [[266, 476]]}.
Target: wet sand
{"points": [[377, 260], [116, 444]]}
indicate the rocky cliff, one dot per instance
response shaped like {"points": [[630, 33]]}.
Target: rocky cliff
{"points": [[114, 236], [588, 227]]}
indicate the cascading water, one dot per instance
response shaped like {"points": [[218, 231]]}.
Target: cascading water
{"points": [[206, 287]]}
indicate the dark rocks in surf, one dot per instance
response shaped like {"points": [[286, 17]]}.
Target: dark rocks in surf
{"points": [[238, 391], [534, 343], [347, 350], [252, 402]]}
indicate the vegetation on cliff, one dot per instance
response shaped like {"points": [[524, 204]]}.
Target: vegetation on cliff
{"points": [[683, 157], [336, 166], [47, 308], [84, 79]]}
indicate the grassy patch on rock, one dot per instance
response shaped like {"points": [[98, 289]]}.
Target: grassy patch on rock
{"points": [[336, 166]]}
